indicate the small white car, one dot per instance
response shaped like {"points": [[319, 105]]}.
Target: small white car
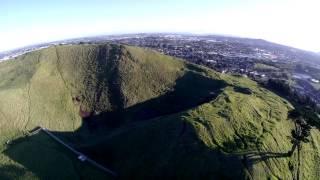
{"points": [[82, 158]]}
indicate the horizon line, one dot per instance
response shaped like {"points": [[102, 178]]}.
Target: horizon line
{"points": [[137, 33]]}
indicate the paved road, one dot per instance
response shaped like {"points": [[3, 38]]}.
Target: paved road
{"points": [[80, 155]]}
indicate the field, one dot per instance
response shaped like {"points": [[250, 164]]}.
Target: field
{"points": [[265, 67], [145, 115]]}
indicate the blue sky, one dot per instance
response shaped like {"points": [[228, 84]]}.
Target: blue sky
{"points": [[290, 22]]}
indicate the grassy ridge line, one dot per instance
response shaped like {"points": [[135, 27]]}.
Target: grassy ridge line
{"points": [[68, 89], [45, 87], [15, 97], [268, 118]]}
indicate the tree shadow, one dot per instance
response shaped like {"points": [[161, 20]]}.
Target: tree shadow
{"points": [[258, 156]]}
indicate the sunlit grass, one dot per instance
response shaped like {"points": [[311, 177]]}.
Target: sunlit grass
{"points": [[191, 136]]}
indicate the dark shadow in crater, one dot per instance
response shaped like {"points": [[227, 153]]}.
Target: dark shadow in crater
{"points": [[190, 90], [179, 139]]}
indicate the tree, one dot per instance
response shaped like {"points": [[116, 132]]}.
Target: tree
{"points": [[300, 134]]}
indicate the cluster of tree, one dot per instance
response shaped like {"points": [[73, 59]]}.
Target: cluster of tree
{"points": [[307, 69], [305, 115], [300, 134], [282, 75], [302, 129], [283, 87]]}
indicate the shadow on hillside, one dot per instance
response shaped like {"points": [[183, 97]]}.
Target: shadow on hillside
{"points": [[8, 172], [152, 151], [190, 90], [165, 149], [162, 149], [46, 159]]}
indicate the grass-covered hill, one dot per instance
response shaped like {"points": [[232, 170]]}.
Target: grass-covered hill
{"points": [[145, 116]]}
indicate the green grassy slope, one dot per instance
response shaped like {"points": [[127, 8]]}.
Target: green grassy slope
{"points": [[145, 115], [39, 157], [265, 67], [247, 135]]}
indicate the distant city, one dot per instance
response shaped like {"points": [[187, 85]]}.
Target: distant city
{"points": [[253, 58]]}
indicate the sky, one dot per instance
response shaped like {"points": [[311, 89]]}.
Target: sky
{"points": [[289, 22]]}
